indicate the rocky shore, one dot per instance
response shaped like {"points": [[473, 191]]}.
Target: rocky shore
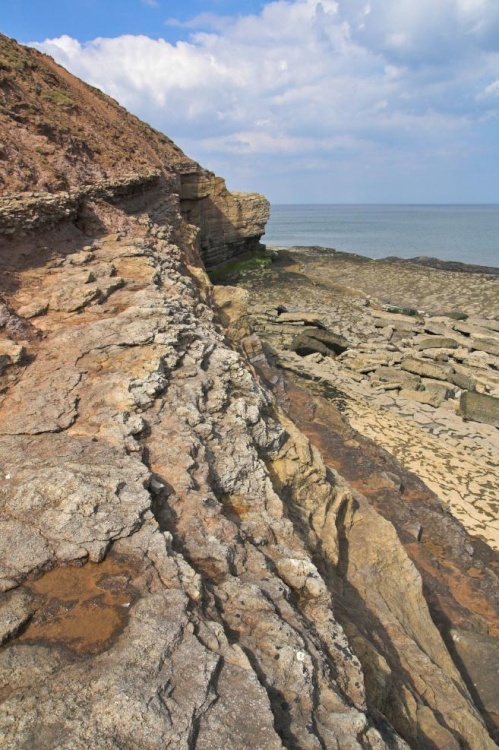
{"points": [[391, 369], [413, 353], [198, 546]]}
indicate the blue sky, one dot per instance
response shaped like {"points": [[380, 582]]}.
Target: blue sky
{"points": [[320, 101]]}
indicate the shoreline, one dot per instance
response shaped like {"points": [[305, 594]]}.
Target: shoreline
{"points": [[462, 234], [414, 344], [397, 437], [419, 260]]}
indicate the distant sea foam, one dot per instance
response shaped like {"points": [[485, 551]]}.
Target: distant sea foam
{"points": [[469, 234]]}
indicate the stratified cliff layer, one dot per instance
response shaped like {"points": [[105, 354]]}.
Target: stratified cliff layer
{"points": [[172, 548]]}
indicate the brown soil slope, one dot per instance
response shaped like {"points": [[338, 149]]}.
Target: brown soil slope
{"points": [[56, 132]]}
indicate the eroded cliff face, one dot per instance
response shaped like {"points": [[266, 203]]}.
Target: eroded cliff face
{"points": [[230, 224], [173, 548]]}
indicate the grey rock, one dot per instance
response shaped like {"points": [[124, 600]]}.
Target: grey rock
{"points": [[486, 344], [305, 345], [465, 382], [400, 323], [439, 388], [436, 342], [78, 494], [479, 407], [427, 369], [402, 378], [488, 323], [334, 341]]}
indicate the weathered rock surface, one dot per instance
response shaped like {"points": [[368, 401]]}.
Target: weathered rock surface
{"points": [[138, 442], [457, 459], [480, 407]]}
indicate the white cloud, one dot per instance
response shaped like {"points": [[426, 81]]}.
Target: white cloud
{"points": [[489, 92], [423, 32], [309, 80]]}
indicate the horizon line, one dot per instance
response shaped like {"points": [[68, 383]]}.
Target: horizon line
{"points": [[334, 203]]}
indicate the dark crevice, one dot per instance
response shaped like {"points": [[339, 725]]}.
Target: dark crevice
{"points": [[211, 699]]}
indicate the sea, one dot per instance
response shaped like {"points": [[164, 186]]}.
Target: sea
{"points": [[463, 233]]}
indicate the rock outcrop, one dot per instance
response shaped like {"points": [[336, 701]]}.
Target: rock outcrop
{"points": [[230, 224], [173, 549], [385, 429], [137, 436]]}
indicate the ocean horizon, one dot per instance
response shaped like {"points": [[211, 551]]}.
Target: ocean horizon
{"points": [[467, 233]]}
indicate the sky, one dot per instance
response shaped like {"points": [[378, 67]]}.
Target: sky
{"points": [[306, 101]]}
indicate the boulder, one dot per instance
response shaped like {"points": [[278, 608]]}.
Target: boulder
{"points": [[398, 323], [427, 369], [437, 327], [488, 344], [334, 341], [399, 377], [479, 407], [465, 382], [479, 360], [439, 388], [436, 342], [304, 345], [490, 324]]}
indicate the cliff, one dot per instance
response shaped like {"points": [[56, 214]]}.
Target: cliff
{"points": [[62, 141], [173, 548]]}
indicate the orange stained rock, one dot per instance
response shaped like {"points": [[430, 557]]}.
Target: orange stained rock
{"points": [[83, 609]]}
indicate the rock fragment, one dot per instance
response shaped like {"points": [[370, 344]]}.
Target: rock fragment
{"points": [[479, 407], [427, 369]]}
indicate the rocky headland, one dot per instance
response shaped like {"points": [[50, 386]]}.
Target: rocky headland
{"points": [[187, 558]]}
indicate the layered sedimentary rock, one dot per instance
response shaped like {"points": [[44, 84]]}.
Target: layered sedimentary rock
{"points": [[173, 548], [231, 224]]}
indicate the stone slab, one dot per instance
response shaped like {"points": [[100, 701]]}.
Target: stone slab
{"points": [[427, 369], [436, 342], [479, 407]]}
